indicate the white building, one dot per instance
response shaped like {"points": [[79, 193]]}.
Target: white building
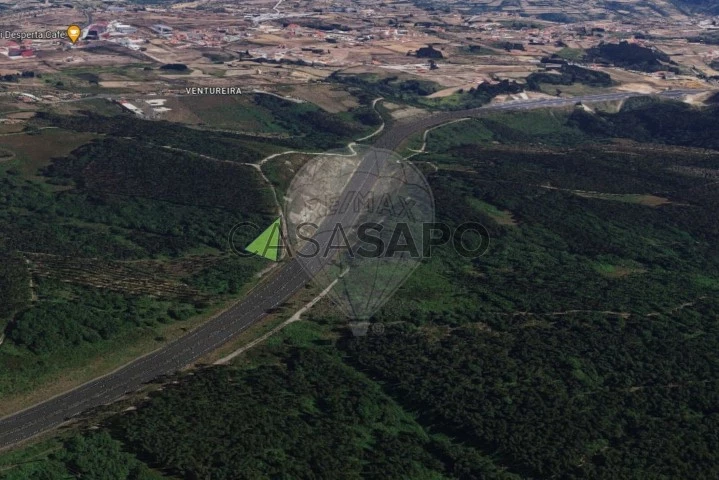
{"points": [[137, 111], [161, 29], [123, 28]]}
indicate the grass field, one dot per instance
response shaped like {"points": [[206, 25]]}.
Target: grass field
{"points": [[329, 98], [638, 199], [502, 217], [609, 270], [223, 112], [33, 152], [574, 90], [574, 54], [98, 105], [89, 79]]}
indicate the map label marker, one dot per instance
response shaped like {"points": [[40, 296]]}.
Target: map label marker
{"points": [[74, 32]]}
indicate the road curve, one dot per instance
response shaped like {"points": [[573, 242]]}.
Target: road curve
{"points": [[285, 282]]}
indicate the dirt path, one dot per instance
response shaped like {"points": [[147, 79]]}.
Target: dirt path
{"points": [[289, 99], [569, 312], [426, 133], [25, 133], [294, 318], [604, 312], [381, 127]]}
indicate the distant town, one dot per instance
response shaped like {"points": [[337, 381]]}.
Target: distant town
{"points": [[127, 52]]}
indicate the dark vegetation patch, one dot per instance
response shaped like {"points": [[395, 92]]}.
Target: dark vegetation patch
{"points": [[508, 46], [391, 87], [218, 57], [485, 92], [429, 52], [648, 120], [175, 67], [710, 38], [89, 77], [54, 326], [216, 144], [558, 17], [122, 167], [335, 423], [586, 397], [120, 202], [14, 287], [631, 56], [414, 92], [701, 6], [95, 455], [569, 75]]}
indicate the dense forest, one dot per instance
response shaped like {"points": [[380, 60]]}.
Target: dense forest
{"points": [[631, 56], [114, 243], [120, 240], [582, 345], [120, 167], [309, 413], [14, 287], [569, 75], [649, 120]]}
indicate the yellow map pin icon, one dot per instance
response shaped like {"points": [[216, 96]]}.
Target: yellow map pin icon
{"points": [[74, 32]]}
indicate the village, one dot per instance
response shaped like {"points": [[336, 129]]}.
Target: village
{"points": [[126, 51]]}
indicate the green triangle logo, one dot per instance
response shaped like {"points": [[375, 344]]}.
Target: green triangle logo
{"points": [[269, 243]]}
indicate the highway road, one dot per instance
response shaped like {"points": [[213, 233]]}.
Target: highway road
{"points": [[285, 282], [394, 137]]}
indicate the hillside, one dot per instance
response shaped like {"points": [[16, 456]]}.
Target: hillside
{"points": [[582, 345], [703, 6]]}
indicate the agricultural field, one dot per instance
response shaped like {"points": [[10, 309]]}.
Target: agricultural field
{"points": [[225, 113], [327, 97]]}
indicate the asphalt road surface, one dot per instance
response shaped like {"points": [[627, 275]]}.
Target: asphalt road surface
{"points": [[288, 280]]}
